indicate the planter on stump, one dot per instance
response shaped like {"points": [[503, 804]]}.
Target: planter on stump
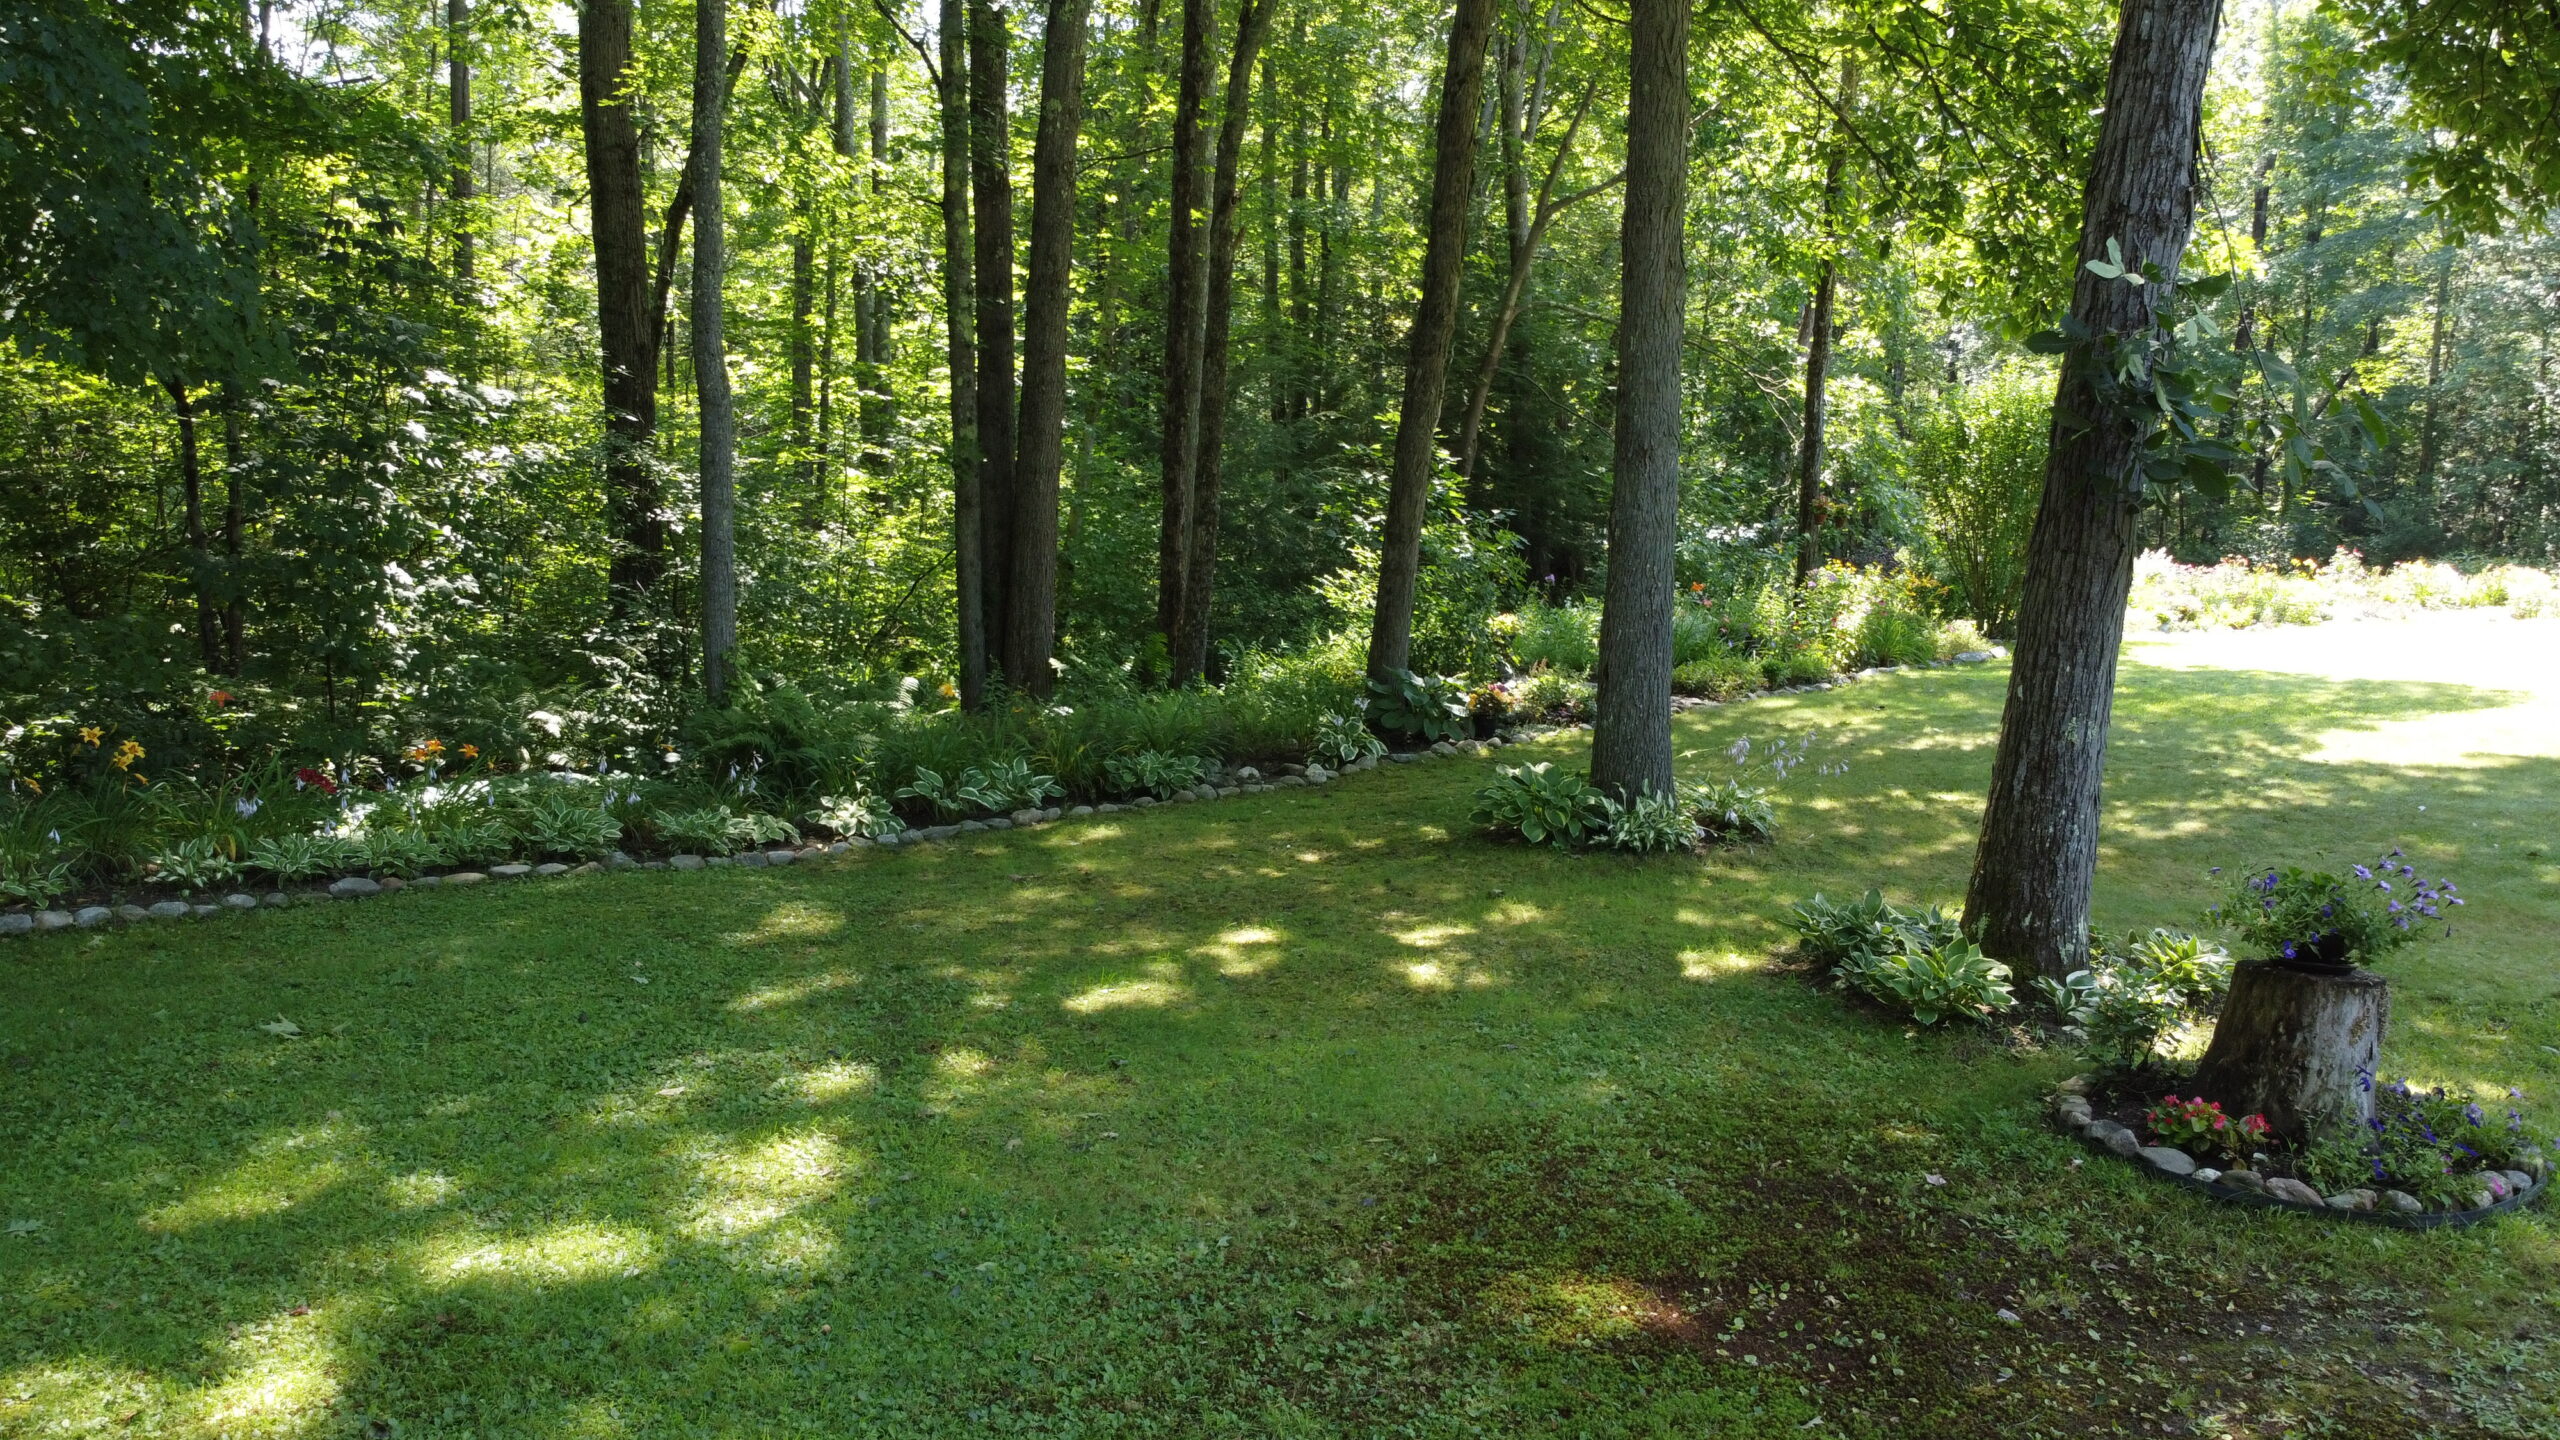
{"points": [[2297, 1044]]}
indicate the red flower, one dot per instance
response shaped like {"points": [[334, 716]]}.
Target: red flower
{"points": [[220, 697], [309, 776]]}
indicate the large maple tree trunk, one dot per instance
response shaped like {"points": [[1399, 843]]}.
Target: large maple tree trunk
{"points": [[1631, 735], [991, 191], [1185, 322], [2028, 903], [718, 434], [959, 306], [626, 311], [458, 108], [1031, 621], [1435, 326], [1200, 567]]}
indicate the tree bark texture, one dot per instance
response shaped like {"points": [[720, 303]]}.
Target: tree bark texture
{"points": [[625, 315], [959, 306], [1031, 620], [2298, 1047], [457, 23], [1631, 734], [1435, 326], [711, 350], [1200, 568], [879, 409], [2028, 903], [991, 189], [1817, 351], [1186, 306]]}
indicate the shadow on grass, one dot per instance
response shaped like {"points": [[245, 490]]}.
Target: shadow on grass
{"points": [[1310, 1113]]}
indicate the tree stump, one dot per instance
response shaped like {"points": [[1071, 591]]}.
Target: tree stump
{"points": [[2296, 1046]]}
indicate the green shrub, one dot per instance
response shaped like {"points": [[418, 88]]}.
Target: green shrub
{"points": [[1562, 638], [1978, 465], [1723, 676], [1420, 707], [1542, 805], [1552, 695]]}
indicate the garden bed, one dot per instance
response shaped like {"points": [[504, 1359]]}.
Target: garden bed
{"points": [[2111, 1124]]}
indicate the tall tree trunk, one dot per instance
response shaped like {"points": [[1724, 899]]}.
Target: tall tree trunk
{"points": [[1631, 734], [879, 409], [2028, 903], [1186, 304], [457, 23], [2429, 431], [1435, 325], [1200, 567], [711, 350], [235, 524], [1031, 621], [199, 551], [1301, 296], [1524, 254], [959, 304], [804, 354], [625, 309], [991, 185], [1817, 350]]}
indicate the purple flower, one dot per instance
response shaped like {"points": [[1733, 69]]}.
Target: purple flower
{"points": [[2363, 874]]}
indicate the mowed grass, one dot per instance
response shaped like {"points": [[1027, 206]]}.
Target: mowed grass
{"points": [[1305, 1114]]}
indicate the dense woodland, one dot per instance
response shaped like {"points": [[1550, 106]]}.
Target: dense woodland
{"points": [[380, 372]]}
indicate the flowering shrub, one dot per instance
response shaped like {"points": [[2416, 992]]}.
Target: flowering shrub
{"points": [[2199, 1127], [2315, 917]]}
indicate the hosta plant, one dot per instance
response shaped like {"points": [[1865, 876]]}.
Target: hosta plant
{"points": [[1420, 707], [33, 882], [194, 865], [1152, 772], [1542, 805], [861, 813], [1950, 979], [1342, 740], [399, 852], [302, 857], [710, 830], [1649, 825], [1730, 812], [564, 823]]}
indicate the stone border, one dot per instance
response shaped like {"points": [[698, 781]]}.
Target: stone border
{"points": [[2500, 1191], [1242, 780]]}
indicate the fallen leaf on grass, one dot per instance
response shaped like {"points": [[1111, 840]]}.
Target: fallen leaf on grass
{"points": [[282, 1028]]}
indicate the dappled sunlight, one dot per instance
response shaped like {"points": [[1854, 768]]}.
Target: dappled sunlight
{"points": [[834, 1081], [283, 1171], [1700, 965], [81, 1385], [1245, 951], [1516, 912], [1162, 988], [1573, 1309], [561, 1255], [748, 1200], [421, 1190], [1431, 937], [282, 1378], [793, 920], [792, 992]]}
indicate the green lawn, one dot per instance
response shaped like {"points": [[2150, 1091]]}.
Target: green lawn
{"points": [[1302, 1114]]}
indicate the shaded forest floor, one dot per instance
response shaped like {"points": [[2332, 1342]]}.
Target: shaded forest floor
{"points": [[1303, 1114]]}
